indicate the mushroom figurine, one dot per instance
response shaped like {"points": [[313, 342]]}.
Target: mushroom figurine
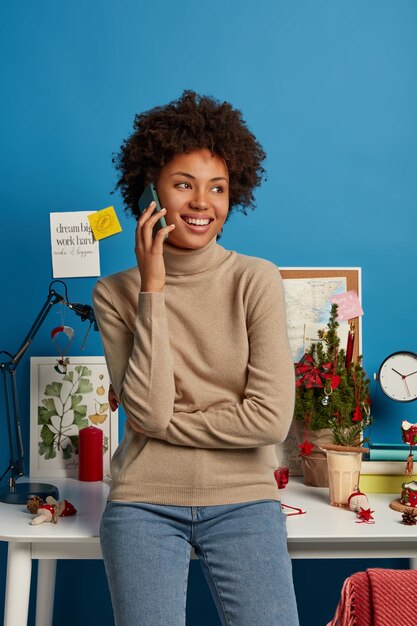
{"points": [[45, 513], [65, 508], [50, 510], [358, 500]]}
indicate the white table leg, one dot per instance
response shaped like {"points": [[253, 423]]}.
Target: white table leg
{"points": [[19, 569], [45, 592]]}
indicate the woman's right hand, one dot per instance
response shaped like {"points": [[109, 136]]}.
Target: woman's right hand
{"points": [[148, 251]]}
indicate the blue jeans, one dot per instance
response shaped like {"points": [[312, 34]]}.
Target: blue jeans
{"points": [[242, 549]]}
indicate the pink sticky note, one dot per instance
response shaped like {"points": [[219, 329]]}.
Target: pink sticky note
{"points": [[349, 305]]}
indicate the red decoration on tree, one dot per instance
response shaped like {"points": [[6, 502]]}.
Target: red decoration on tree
{"points": [[308, 375], [306, 447], [359, 409], [349, 347], [334, 380]]}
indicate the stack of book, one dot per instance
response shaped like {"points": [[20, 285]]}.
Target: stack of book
{"points": [[389, 452], [383, 469]]}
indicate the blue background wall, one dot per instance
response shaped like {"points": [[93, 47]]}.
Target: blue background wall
{"points": [[329, 88]]}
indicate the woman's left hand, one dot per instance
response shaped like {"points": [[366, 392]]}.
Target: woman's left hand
{"points": [[114, 403], [112, 398]]}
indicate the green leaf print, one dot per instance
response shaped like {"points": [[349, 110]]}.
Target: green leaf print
{"points": [[47, 411], [54, 389], [83, 371], [61, 413], [67, 452], [84, 386], [47, 435], [75, 401], [47, 451], [75, 442]]}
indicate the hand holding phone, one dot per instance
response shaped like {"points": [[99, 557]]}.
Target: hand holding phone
{"points": [[150, 195], [149, 246]]}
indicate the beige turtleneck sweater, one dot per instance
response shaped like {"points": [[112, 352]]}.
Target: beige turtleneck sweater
{"points": [[204, 368]]}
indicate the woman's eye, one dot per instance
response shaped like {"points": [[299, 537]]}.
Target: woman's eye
{"points": [[218, 189], [183, 185]]}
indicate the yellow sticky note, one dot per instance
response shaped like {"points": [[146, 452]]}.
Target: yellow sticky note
{"points": [[104, 223]]}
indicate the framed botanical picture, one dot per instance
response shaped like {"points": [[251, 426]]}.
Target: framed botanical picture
{"points": [[63, 400]]}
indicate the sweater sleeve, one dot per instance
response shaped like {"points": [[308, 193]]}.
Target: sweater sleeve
{"points": [[139, 364], [264, 415]]}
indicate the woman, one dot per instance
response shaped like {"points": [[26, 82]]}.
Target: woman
{"points": [[197, 350]]}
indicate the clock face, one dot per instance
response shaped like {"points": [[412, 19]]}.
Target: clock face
{"points": [[398, 376]]}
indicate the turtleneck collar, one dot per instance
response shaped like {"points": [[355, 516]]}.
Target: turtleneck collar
{"points": [[181, 262]]}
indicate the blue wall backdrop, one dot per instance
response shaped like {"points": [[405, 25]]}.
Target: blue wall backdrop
{"points": [[329, 87]]}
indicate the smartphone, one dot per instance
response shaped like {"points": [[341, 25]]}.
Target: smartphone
{"points": [[149, 195]]}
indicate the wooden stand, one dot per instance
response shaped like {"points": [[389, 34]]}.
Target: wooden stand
{"points": [[336, 448], [397, 505]]}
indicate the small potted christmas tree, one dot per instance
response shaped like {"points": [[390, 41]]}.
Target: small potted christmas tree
{"points": [[332, 402]]}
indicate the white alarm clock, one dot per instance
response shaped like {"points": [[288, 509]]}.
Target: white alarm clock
{"points": [[397, 376]]}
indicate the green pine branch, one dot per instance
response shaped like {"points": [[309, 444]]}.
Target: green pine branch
{"points": [[352, 392]]}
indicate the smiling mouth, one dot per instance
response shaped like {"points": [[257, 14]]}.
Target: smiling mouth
{"points": [[197, 222], [197, 226]]}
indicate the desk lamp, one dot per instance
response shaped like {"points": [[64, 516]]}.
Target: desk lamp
{"points": [[19, 493]]}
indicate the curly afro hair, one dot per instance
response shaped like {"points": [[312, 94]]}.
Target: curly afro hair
{"points": [[190, 123]]}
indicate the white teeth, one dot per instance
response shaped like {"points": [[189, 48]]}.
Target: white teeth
{"points": [[190, 220]]}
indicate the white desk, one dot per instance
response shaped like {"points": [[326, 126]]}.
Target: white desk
{"points": [[71, 538], [323, 532]]}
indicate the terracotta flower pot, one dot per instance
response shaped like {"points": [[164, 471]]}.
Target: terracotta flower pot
{"points": [[314, 465]]}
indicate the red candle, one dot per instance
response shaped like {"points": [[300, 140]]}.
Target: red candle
{"points": [[90, 454]]}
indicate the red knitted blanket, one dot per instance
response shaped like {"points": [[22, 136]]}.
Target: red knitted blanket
{"points": [[377, 597]]}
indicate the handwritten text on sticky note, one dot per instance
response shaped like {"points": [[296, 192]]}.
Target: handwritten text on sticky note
{"points": [[349, 306], [104, 223]]}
